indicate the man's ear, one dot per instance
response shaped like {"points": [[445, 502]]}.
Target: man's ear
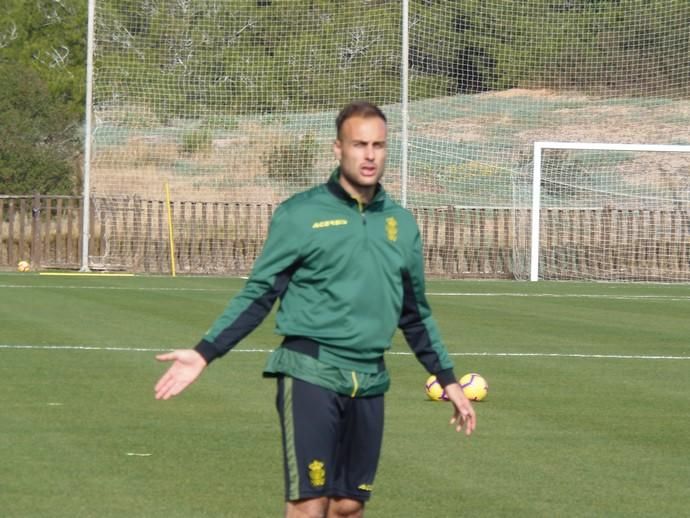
{"points": [[337, 150]]}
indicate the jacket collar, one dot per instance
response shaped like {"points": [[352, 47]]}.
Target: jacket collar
{"points": [[333, 185]]}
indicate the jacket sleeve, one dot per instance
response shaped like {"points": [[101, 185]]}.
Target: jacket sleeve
{"points": [[269, 278], [416, 321]]}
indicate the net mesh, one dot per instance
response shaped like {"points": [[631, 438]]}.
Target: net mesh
{"points": [[614, 214], [232, 105]]}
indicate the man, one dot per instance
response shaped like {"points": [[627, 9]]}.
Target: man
{"points": [[346, 262]]}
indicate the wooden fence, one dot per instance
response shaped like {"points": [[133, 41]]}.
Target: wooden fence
{"points": [[224, 238], [615, 244], [44, 230]]}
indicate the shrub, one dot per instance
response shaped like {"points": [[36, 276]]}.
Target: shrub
{"points": [[291, 160]]}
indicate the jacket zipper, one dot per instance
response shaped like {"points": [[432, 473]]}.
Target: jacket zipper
{"points": [[362, 213]]}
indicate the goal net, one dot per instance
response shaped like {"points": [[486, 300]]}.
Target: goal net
{"points": [[610, 212], [231, 105]]}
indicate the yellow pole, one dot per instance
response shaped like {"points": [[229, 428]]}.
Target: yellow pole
{"points": [[170, 230]]}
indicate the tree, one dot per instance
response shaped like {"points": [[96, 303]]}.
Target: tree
{"points": [[42, 57], [37, 148]]}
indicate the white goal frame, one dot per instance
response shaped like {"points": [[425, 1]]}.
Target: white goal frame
{"points": [[539, 146]]}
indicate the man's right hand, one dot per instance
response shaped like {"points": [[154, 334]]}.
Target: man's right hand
{"points": [[187, 366], [463, 411]]}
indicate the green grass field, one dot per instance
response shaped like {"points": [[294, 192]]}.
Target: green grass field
{"points": [[588, 411]]}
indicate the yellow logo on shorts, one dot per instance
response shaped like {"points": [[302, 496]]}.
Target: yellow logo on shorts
{"points": [[365, 487], [317, 473]]}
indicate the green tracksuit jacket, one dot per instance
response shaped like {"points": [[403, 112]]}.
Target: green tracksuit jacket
{"points": [[347, 277]]}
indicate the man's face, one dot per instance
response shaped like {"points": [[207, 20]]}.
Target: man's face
{"points": [[361, 151]]}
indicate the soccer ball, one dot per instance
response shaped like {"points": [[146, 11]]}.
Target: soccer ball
{"points": [[23, 266], [434, 390], [474, 386]]}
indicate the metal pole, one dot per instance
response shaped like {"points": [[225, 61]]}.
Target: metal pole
{"points": [[404, 101], [536, 209], [86, 203]]}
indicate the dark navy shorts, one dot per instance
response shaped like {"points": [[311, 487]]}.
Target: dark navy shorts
{"points": [[331, 442]]}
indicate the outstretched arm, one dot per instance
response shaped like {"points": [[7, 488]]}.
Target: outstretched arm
{"points": [[187, 366], [463, 412]]}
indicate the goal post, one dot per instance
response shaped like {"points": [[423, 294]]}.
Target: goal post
{"points": [[631, 212]]}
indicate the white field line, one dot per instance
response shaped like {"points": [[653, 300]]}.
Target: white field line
{"points": [[564, 296], [390, 353], [116, 288], [672, 298]]}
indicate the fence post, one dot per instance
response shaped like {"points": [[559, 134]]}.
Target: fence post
{"points": [[36, 231]]}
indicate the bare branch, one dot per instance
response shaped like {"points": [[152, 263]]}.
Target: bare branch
{"points": [[8, 36]]}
